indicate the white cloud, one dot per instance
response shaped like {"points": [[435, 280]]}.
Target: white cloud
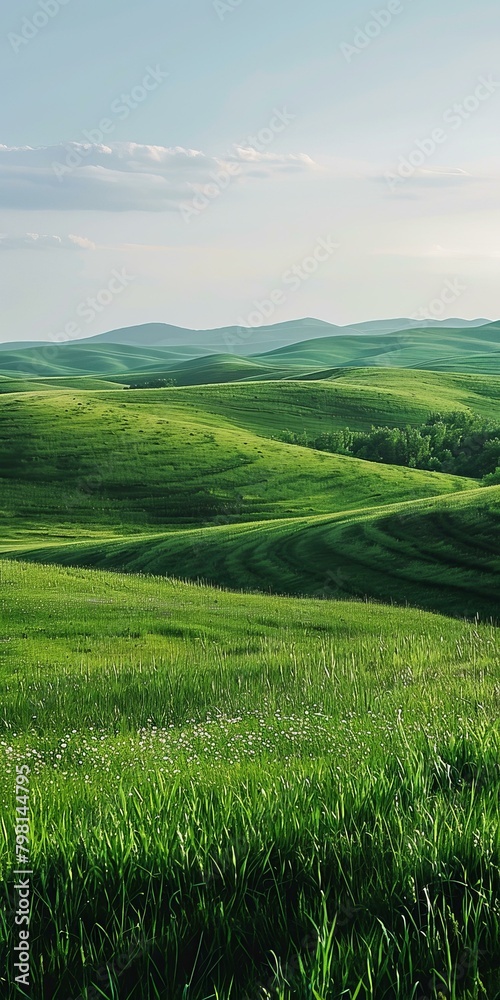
{"points": [[81, 242], [40, 241], [124, 176], [423, 177], [449, 172]]}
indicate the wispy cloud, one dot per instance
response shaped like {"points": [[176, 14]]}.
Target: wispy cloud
{"points": [[41, 241], [124, 176], [424, 177]]}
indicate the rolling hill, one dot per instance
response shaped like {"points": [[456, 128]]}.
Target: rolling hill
{"points": [[358, 398], [193, 482], [223, 768], [474, 349], [441, 554], [100, 359], [304, 349], [154, 457], [190, 482], [165, 335]]}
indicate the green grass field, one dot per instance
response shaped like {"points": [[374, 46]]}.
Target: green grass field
{"points": [[241, 796], [189, 483], [354, 397], [257, 686], [154, 457], [439, 554]]}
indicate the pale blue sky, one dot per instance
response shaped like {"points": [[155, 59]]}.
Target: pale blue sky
{"points": [[338, 160]]}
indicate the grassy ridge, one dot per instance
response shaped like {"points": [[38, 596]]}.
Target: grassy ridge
{"points": [[442, 554], [113, 477], [356, 398], [239, 781], [136, 459], [449, 350], [242, 796], [96, 359]]}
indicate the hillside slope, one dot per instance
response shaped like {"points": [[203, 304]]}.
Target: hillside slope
{"points": [[272, 336], [475, 349], [131, 459], [190, 483], [294, 349], [97, 359], [357, 398], [441, 554]]}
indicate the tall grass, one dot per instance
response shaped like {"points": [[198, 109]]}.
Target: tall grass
{"points": [[242, 798]]}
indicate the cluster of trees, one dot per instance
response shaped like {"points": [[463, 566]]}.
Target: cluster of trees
{"points": [[457, 443], [152, 383]]}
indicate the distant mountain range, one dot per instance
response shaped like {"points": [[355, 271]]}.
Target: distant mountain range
{"points": [[268, 338], [304, 349]]}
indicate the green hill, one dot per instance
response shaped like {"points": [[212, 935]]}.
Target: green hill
{"points": [[126, 460], [234, 353], [442, 554], [233, 793], [476, 350], [97, 359], [358, 398], [41, 384], [219, 368], [189, 482], [164, 335]]}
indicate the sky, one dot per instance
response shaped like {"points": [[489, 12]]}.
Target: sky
{"points": [[207, 163]]}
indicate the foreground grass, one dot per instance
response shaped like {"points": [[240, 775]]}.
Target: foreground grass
{"points": [[240, 796]]}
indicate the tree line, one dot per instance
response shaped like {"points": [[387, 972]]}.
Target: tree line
{"points": [[460, 444]]}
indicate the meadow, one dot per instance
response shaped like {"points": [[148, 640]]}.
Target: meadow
{"points": [[257, 686], [242, 796], [441, 554], [192, 483]]}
